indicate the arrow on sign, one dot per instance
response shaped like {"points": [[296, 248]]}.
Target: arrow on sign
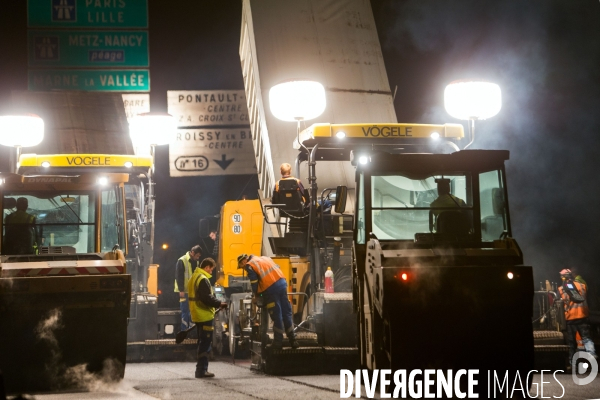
{"points": [[223, 162]]}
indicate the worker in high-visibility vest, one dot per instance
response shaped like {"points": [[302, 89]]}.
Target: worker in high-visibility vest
{"points": [[203, 304], [20, 232], [184, 269], [268, 281], [576, 313]]}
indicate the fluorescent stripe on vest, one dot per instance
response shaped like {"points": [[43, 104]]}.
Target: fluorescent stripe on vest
{"points": [[575, 310], [267, 270]]}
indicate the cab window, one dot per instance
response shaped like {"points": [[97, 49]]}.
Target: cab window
{"points": [[493, 205]]}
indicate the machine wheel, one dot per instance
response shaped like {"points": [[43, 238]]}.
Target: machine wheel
{"points": [[234, 330]]}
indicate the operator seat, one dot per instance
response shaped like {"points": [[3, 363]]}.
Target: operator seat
{"points": [[453, 222], [290, 196]]}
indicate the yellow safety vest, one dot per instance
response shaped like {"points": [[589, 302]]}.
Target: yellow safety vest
{"points": [[19, 217], [187, 272], [200, 312]]}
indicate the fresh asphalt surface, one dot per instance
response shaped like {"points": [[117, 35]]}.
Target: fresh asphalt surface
{"points": [[175, 380]]}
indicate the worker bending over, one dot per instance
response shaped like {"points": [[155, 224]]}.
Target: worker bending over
{"points": [[268, 281]]}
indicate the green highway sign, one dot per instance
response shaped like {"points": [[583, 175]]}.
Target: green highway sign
{"points": [[87, 13], [88, 48], [108, 80]]}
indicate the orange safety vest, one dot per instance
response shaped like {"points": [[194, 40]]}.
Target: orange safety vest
{"points": [[575, 310], [297, 182], [268, 272]]}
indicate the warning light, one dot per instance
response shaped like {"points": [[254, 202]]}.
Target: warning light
{"points": [[510, 275], [404, 276], [159, 291], [165, 246]]}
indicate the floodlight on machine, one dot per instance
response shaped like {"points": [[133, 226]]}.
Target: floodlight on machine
{"points": [[152, 129], [19, 131], [297, 100], [472, 100], [46, 164], [102, 181], [435, 135], [475, 99], [340, 134]]}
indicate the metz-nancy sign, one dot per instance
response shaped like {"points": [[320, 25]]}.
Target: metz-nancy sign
{"points": [[79, 48]]}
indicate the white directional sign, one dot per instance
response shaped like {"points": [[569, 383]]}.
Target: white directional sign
{"points": [[195, 108], [217, 151], [214, 136]]}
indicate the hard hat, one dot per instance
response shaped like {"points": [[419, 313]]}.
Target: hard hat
{"points": [[566, 272], [240, 258]]}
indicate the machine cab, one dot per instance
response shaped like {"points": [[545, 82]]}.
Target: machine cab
{"points": [[439, 198]]}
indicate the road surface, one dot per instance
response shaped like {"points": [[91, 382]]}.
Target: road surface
{"points": [[175, 380]]}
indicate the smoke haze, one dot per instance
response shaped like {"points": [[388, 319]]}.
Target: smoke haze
{"points": [[545, 57]]}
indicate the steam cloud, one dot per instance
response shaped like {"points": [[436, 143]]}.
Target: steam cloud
{"points": [[76, 376]]}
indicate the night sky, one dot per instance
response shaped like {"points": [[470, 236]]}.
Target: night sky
{"points": [[545, 55]]}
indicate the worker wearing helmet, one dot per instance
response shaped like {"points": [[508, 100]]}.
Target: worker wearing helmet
{"points": [[184, 269], [268, 281], [576, 313], [203, 304]]}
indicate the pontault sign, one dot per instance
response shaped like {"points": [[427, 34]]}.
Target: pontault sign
{"points": [[81, 48], [212, 152], [87, 13], [195, 108], [126, 80]]}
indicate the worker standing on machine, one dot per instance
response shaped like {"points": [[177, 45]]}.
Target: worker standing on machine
{"points": [[203, 304], [576, 313], [184, 269], [267, 280]]}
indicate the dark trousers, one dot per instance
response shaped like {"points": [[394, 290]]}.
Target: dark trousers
{"points": [[205, 335], [583, 327], [280, 310]]}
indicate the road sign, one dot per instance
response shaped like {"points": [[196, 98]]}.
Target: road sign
{"points": [[136, 103], [87, 13], [109, 80], [79, 48], [212, 152], [208, 107]]}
